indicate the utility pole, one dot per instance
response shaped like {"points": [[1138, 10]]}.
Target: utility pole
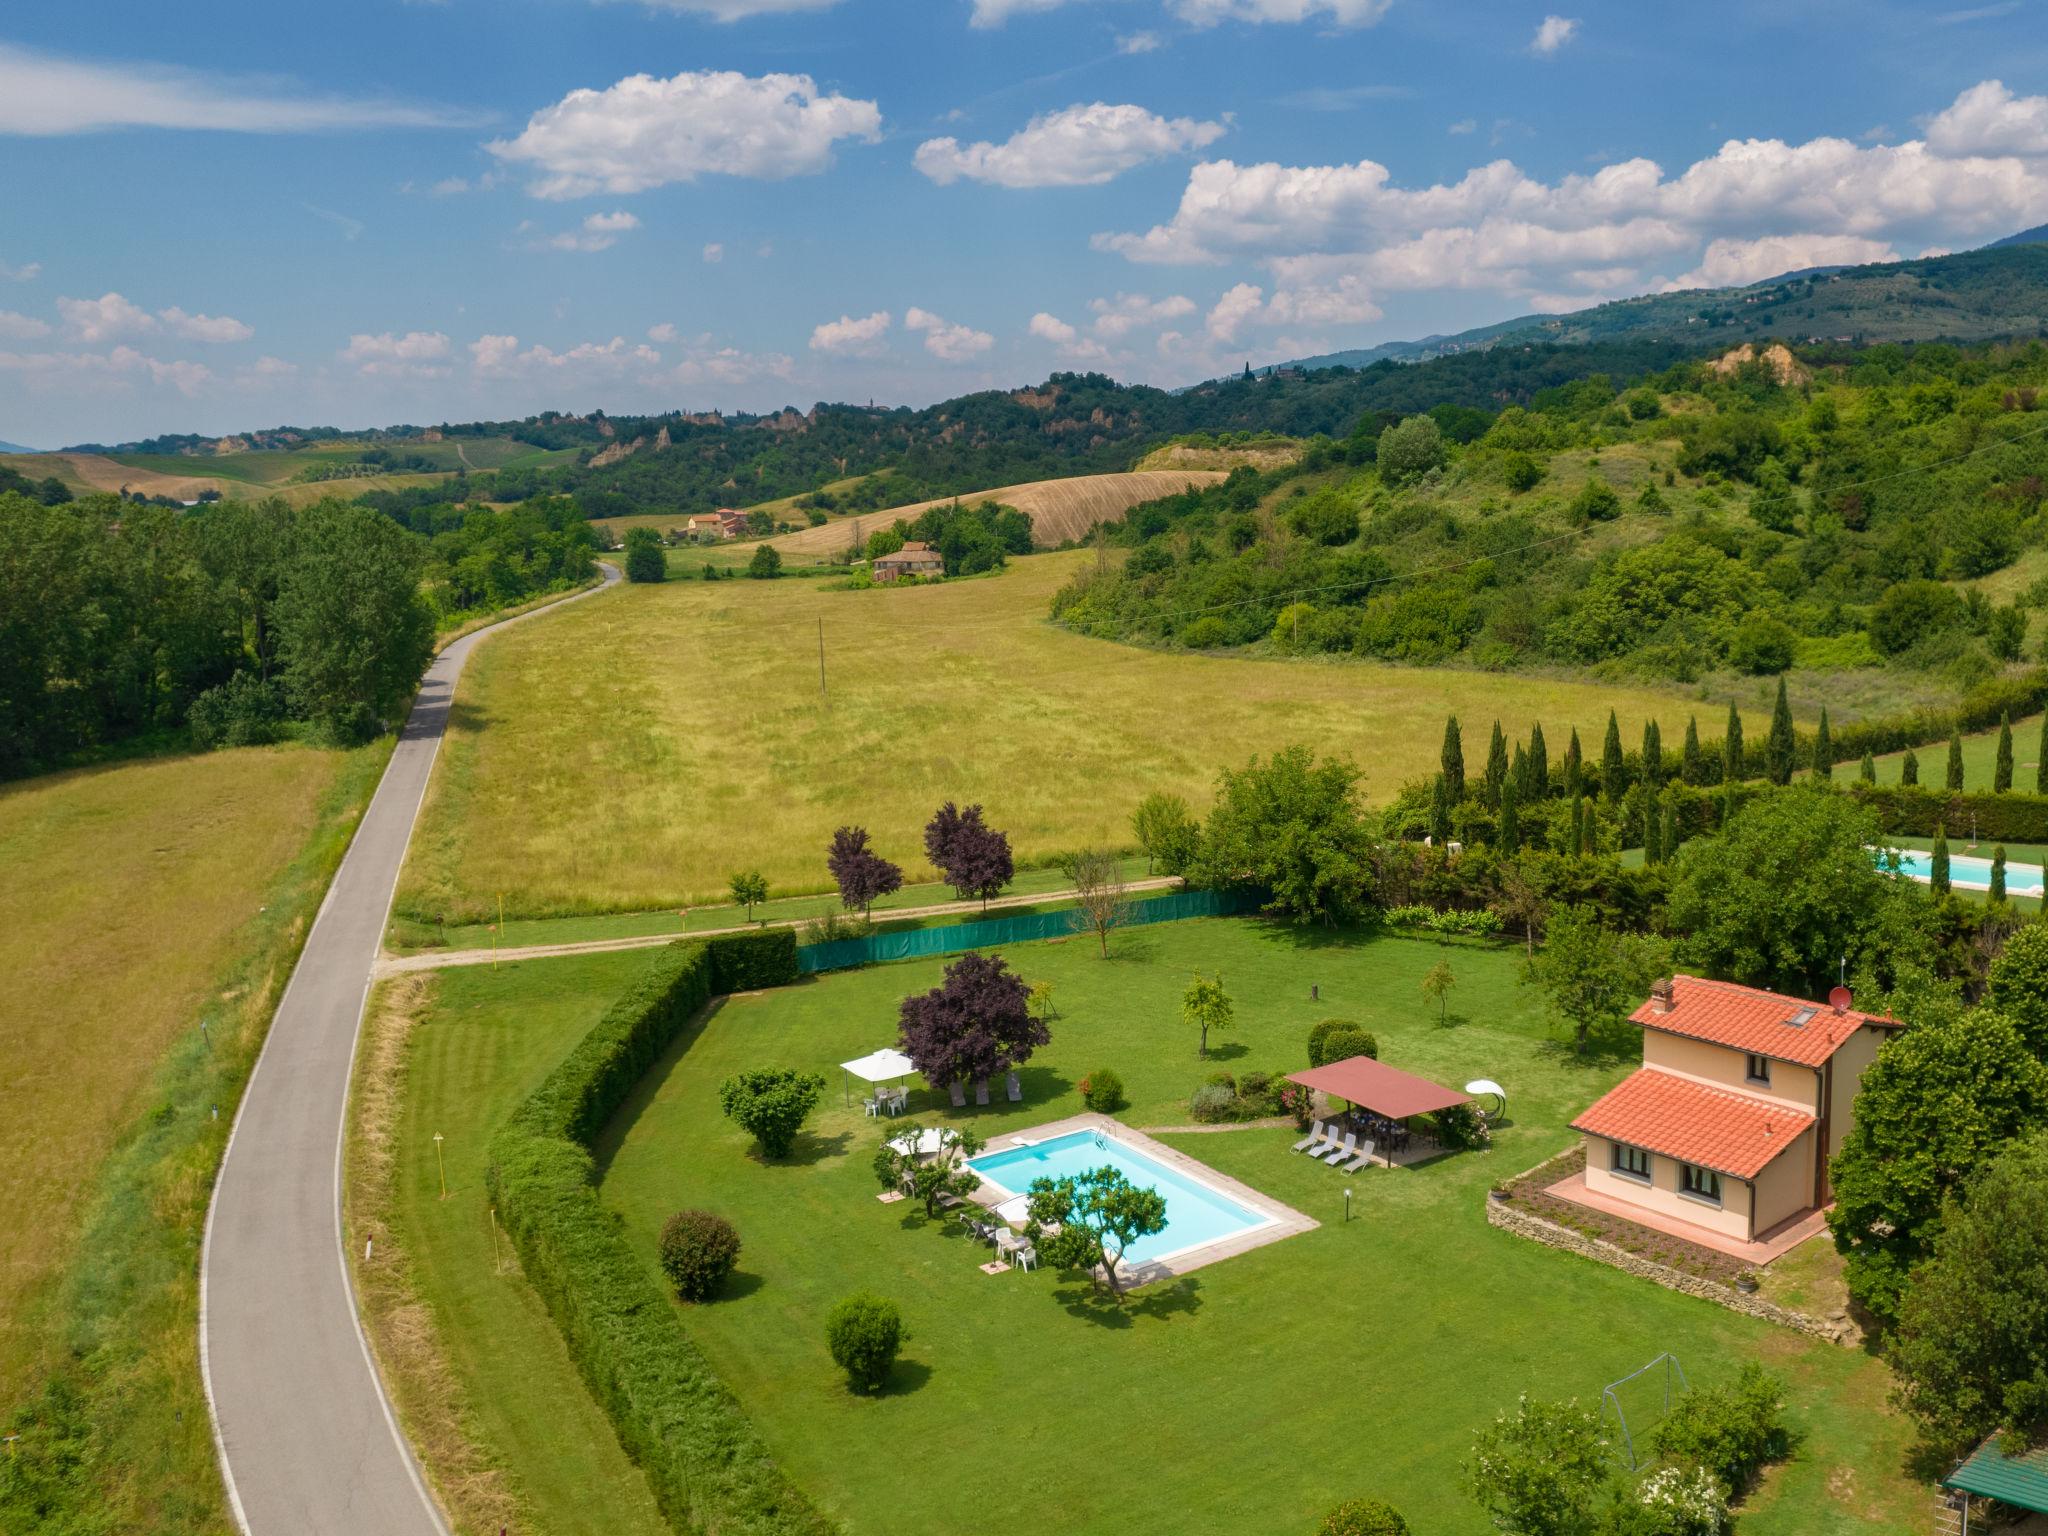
{"points": [[821, 663]]}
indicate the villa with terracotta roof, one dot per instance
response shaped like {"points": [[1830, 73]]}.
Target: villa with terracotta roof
{"points": [[913, 559], [1723, 1135]]}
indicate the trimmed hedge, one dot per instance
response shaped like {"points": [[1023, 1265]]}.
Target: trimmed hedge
{"points": [[707, 1466], [1916, 810]]}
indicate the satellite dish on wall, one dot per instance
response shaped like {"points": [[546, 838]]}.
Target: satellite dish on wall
{"points": [[1839, 999]]}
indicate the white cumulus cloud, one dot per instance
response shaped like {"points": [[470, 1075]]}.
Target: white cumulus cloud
{"points": [[413, 355], [204, 327], [1552, 33], [1733, 263], [1210, 13], [945, 340], [19, 327], [1074, 147], [599, 232], [26, 273], [1132, 311], [501, 357], [738, 10], [1239, 304], [714, 252], [1988, 119], [646, 132], [102, 319], [101, 372], [848, 337]]}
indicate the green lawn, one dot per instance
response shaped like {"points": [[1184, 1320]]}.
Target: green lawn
{"points": [[1356, 1358], [1980, 759]]}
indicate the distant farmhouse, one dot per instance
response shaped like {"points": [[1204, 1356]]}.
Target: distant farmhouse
{"points": [[1726, 1129], [710, 527], [913, 559]]}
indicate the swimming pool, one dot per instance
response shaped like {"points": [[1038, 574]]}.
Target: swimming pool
{"points": [[1196, 1213], [1967, 872]]}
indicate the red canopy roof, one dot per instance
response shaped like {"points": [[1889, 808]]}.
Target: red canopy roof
{"points": [[1383, 1089]]}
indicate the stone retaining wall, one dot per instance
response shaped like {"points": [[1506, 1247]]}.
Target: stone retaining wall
{"points": [[1524, 1224]]}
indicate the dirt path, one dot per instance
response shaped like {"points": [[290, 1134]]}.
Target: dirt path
{"points": [[434, 960]]}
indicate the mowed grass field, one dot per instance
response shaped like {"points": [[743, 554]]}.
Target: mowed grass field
{"points": [[637, 749], [1358, 1358], [131, 890]]}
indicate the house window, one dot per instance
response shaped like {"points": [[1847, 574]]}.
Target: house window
{"points": [[1700, 1183], [1631, 1162], [1760, 1069]]}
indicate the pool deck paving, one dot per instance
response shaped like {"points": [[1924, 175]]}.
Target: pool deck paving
{"points": [[1282, 1221]]}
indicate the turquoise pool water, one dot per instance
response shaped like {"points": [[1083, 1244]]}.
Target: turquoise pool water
{"points": [[1195, 1213], [1968, 872]]}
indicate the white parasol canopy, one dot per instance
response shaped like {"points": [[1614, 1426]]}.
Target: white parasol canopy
{"points": [[927, 1143], [1486, 1085], [881, 1066]]}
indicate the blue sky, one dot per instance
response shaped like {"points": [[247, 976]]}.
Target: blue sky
{"points": [[223, 215]]}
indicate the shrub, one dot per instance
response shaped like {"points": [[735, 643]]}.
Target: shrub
{"points": [[1212, 1102], [1363, 1517], [244, 711], [1342, 1044], [698, 1252], [1103, 1091], [1221, 1079], [1318, 1040], [772, 1103], [864, 1332], [1259, 1093], [1671, 1501], [1297, 1101], [1459, 1127], [1729, 1431], [644, 559]]}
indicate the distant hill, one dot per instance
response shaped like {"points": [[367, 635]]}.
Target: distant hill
{"points": [[7, 447], [1985, 295]]}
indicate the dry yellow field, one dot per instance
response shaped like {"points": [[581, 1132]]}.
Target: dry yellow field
{"points": [[1059, 509], [131, 889], [635, 750]]}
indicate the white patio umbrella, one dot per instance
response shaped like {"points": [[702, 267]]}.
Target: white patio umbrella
{"points": [[883, 1066], [1486, 1085]]}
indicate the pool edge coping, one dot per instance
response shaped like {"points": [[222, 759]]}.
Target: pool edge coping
{"points": [[1282, 1221]]}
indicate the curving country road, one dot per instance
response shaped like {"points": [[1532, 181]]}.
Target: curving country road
{"points": [[307, 1440]]}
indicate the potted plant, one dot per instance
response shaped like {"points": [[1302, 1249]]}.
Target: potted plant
{"points": [[1746, 1282]]}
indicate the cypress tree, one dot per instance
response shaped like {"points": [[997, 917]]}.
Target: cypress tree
{"points": [[1653, 755], [1509, 836], [1453, 760], [1589, 831], [1671, 836], [1653, 850], [1539, 763], [1693, 767], [1909, 770], [1998, 873], [1440, 804], [2041, 771], [1869, 770], [1518, 773], [1613, 769], [2001, 776], [1780, 745], [1496, 767], [1823, 749], [1955, 760], [1938, 864], [1732, 765], [1575, 769]]}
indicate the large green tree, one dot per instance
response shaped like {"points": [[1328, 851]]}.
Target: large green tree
{"points": [[1098, 1215], [2018, 985], [1783, 893], [1292, 827], [1591, 976], [1939, 1102], [354, 631], [1971, 1349]]}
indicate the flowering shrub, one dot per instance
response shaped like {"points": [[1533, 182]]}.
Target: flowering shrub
{"points": [[1478, 922], [1673, 1501]]}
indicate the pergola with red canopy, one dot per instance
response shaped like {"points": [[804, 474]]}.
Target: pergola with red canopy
{"points": [[1385, 1090]]}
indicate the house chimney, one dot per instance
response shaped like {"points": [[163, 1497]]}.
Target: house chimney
{"points": [[1661, 998]]}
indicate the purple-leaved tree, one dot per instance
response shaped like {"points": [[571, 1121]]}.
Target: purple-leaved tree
{"points": [[973, 1025], [972, 856], [863, 874]]}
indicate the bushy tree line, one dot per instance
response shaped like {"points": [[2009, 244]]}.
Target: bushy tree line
{"points": [[120, 621], [1823, 522]]}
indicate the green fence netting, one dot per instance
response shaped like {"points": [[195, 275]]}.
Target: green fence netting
{"points": [[909, 943]]}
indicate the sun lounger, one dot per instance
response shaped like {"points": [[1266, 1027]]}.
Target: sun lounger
{"points": [[1364, 1157], [1314, 1136], [1337, 1154]]}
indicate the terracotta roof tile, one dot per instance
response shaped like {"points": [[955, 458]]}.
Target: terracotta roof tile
{"points": [[1748, 1019], [1738, 1134]]}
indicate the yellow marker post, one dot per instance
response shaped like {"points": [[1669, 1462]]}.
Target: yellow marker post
{"points": [[440, 1165]]}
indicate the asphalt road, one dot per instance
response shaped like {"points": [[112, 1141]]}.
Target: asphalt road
{"points": [[308, 1443]]}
